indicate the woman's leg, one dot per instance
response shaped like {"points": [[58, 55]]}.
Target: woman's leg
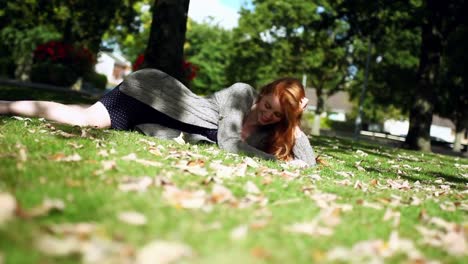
{"points": [[95, 115]]}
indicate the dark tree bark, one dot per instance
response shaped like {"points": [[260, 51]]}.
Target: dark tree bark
{"points": [[165, 48], [431, 48]]}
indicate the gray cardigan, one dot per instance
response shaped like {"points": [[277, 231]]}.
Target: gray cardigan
{"points": [[224, 110]]}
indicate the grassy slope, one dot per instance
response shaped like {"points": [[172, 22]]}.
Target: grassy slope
{"points": [[95, 197]]}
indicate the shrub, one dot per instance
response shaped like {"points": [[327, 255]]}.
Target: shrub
{"points": [[55, 74], [65, 62], [96, 79], [7, 67]]}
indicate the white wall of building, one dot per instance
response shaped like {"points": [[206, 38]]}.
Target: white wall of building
{"points": [[400, 128]]}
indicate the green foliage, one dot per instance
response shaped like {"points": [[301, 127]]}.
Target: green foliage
{"points": [[452, 100], [132, 41], [96, 79], [279, 38], [20, 44], [53, 73], [208, 48]]}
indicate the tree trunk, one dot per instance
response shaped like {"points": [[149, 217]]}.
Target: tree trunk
{"points": [[318, 111], [421, 112], [165, 48], [457, 145]]}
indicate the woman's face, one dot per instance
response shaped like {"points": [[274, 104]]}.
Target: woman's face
{"points": [[269, 110]]}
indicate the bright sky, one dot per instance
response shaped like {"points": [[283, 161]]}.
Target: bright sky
{"points": [[224, 12]]}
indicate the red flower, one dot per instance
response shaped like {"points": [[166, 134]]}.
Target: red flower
{"points": [[138, 62], [189, 68]]}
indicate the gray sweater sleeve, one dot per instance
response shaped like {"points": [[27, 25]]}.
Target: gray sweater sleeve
{"points": [[235, 103], [302, 149]]}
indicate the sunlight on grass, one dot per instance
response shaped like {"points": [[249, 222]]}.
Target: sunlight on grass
{"points": [[207, 206]]}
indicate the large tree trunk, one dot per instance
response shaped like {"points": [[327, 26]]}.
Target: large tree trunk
{"points": [[457, 144], [421, 112], [321, 97], [165, 48]]}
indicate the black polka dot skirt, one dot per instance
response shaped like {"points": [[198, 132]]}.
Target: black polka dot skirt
{"points": [[127, 112]]}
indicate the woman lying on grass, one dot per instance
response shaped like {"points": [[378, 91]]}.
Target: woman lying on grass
{"points": [[236, 118]]}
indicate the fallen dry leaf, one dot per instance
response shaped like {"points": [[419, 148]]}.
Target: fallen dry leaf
{"points": [[250, 187], [377, 251], [311, 228], [180, 139], [132, 218], [228, 172], [140, 184], [392, 215], [133, 157], [64, 158], [251, 162], [183, 198], [221, 194], [162, 252], [239, 232], [48, 205], [193, 167], [75, 145], [7, 207]]}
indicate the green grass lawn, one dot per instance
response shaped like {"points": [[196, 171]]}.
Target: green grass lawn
{"points": [[72, 195]]}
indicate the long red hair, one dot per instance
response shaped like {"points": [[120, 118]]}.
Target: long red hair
{"points": [[290, 93]]}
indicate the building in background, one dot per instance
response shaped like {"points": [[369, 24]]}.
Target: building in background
{"points": [[114, 66], [338, 107]]}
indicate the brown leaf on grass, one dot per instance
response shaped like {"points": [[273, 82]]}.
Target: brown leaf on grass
{"points": [[260, 253], [64, 134], [103, 153], [228, 172], [132, 218], [239, 232], [357, 164], [449, 236], [82, 239], [22, 154], [399, 184], [377, 251], [133, 157], [392, 215], [251, 162], [370, 204], [8, 207], [344, 182], [221, 194], [185, 199], [106, 166], [180, 139], [140, 184], [193, 167], [448, 206], [361, 153], [21, 118], [162, 252], [251, 199], [58, 247], [64, 158], [250, 187], [322, 224], [47, 206], [346, 174], [75, 145], [311, 228]]}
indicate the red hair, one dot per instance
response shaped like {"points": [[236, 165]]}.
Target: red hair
{"points": [[290, 93]]}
